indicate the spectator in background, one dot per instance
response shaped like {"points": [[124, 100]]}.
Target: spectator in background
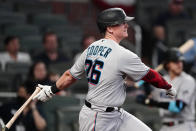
{"points": [[38, 74], [159, 46], [12, 53], [175, 12], [51, 53], [86, 41], [32, 118]]}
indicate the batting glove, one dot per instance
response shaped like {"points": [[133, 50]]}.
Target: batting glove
{"points": [[171, 92], [45, 93]]}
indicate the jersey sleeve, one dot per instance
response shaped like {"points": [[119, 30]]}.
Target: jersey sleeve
{"points": [[78, 69], [131, 65], [186, 91]]}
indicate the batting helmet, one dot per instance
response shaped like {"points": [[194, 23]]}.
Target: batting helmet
{"points": [[173, 55], [111, 17]]}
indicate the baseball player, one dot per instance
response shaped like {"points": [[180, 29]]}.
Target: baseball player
{"points": [[105, 64], [177, 114]]}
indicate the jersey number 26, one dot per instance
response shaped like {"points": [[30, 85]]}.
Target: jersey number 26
{"points": [[93, 70]]}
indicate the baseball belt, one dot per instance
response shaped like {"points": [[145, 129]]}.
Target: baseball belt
{"points": [[107, 109]]}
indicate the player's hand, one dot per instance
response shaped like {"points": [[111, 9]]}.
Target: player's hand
{"points": [[45, 93], [171, 92]]}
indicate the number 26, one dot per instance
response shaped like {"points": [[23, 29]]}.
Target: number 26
{"points": [[94, 68]]}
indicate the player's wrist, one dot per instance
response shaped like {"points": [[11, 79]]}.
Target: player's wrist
{"points": [[54, 89], [169, 87]]}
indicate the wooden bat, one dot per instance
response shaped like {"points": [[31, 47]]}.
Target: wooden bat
{"points": [[183, 49], [19, 111]]}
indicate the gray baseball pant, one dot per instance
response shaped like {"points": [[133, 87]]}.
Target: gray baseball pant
{"points": [[95, 120]]}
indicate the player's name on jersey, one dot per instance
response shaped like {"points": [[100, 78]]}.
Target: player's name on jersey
{"points": [[99, 50]]}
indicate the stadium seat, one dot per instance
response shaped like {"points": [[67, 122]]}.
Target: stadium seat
{"points": [[70, 37], [31, 44], [190, 4], [147, 11], [8, 81], [32, 7], [57, 102], [61, 67], [2, 47], [6, 7], [78, 11], [17, 67], [190, 35], [177, 36], [21, 30], [72, 42], [65, 30], [67, 51], [12, 18], [1, 67], [46, 20], [67, 118]]}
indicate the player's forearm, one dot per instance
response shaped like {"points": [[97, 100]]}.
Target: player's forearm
{"points": [[156, 80], [65, 80]]}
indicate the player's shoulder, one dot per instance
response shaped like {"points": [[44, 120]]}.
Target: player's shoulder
{"points": [[187, 77], [97, 42], [126, 53]]}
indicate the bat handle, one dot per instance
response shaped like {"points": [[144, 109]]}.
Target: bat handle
{"points": [[19, 111]]}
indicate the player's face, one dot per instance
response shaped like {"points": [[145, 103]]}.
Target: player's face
{"points": [[120, 31], [175, 67]]}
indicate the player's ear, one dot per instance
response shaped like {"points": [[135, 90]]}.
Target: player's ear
{"points": [[109, 29]]}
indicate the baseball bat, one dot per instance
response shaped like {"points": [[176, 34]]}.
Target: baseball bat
{"points": [[19, 111], [183, 49]]}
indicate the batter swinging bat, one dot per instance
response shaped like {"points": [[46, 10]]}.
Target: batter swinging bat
{"points": [[19, 111], [184, 48]]}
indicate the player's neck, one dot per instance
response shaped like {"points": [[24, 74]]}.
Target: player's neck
{"points": [[173, 75], [112, 37]]}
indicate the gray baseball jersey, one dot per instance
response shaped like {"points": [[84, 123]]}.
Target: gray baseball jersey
{"points": [[105, 64], [185, 87]]}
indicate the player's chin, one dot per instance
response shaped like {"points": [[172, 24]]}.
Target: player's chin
{"points": [[125, 35]]}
